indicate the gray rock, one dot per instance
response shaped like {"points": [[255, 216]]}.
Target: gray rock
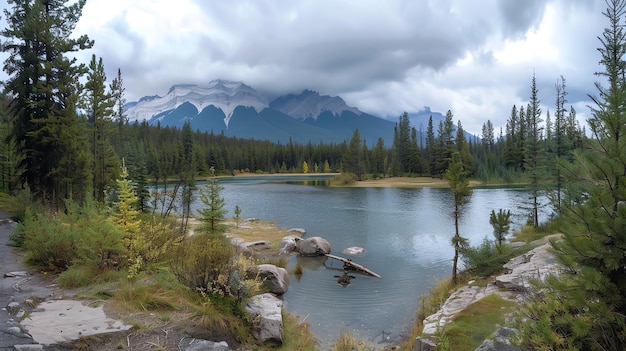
{"points": [[192, 344], [505, 334], [275, 279], [424, 344], [16, 274], [300, 231], [538, 263], [492, 345], [288, 244], [28, 347], [315, 246], [266, 313]]}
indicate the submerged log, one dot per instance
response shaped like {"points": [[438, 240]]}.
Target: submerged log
{"points": [[349, 265]]}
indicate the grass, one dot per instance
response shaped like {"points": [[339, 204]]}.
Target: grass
{"points": [[256, 230], [477, 322], [347, 342], [296, 336]]}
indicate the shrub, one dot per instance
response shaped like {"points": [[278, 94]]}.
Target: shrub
{"points": [[344, 179], [347, 342], [51, 244], [209, 265], [486, 259]]}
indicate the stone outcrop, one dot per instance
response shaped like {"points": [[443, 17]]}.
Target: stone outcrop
{"points": [[275, 279], [538, 263], [315, 246], [266, 314]]}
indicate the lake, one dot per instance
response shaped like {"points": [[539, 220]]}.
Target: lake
{"points": [[405, 233]]}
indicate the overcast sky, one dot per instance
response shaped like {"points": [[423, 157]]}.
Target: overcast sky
{"points": [[475, 58]]}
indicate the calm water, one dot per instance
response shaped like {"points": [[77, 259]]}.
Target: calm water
{"points": [[405, 233]]}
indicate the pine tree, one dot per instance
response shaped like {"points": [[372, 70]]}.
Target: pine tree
{"points": [[213, 214], [501, 223], [533, 155], [459, 184], [585, 307], [98, 105], [431, 148], [44, 81]]}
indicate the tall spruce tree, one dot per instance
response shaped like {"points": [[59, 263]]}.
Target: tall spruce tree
{"points": [[533, 154], [98, 105], [43, 79], [585, 308]]}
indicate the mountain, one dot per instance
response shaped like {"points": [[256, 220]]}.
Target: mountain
{"points": [[309, 104], [236, 109]]}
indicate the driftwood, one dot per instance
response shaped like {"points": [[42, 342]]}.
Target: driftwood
{"points": [[349, 265]]}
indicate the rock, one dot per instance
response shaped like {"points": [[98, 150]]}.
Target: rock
{"points": [[492, 345], [353, 250], [288, 244], [300, 231], [16, 274], [28, 347], [538, 263], [275, 279], [505, 334], [259, 243], [266, 315], [423, 344], [315, 246], [192, 344]]}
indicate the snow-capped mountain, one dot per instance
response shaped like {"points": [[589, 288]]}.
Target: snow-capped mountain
{"points": [[235, 109], [224, 95], [310, 104]]}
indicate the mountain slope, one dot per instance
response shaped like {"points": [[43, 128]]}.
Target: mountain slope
{"points": [[237, 110]]}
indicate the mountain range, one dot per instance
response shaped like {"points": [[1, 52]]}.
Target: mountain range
{"points": [[237, 110]]}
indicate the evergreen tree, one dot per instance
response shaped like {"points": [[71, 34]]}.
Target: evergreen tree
{"points": [[459, 184], [431, 148], [532, 150], [43, 80], [585, 307], [501, 223], [213, 214], [98, 106]]}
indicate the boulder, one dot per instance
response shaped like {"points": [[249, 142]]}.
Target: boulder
{"points": [[192, 344], [424, 344], [492, 345], [287, 244], [266, 314], [275, 279], [315, 246]]}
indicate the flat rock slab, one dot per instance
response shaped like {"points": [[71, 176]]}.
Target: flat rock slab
{"points": [[59, 321]]}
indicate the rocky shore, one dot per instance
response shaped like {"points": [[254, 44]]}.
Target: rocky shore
{"points": [[537, 263]]}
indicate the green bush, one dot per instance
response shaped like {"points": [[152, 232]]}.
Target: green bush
{"points": [[486, 259], [82, 235], [51, 244], [344, 179]]}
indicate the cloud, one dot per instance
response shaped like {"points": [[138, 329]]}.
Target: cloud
{"points": [[384, 57]]}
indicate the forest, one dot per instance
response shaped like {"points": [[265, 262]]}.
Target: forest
{"points": [[68, 144]]}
